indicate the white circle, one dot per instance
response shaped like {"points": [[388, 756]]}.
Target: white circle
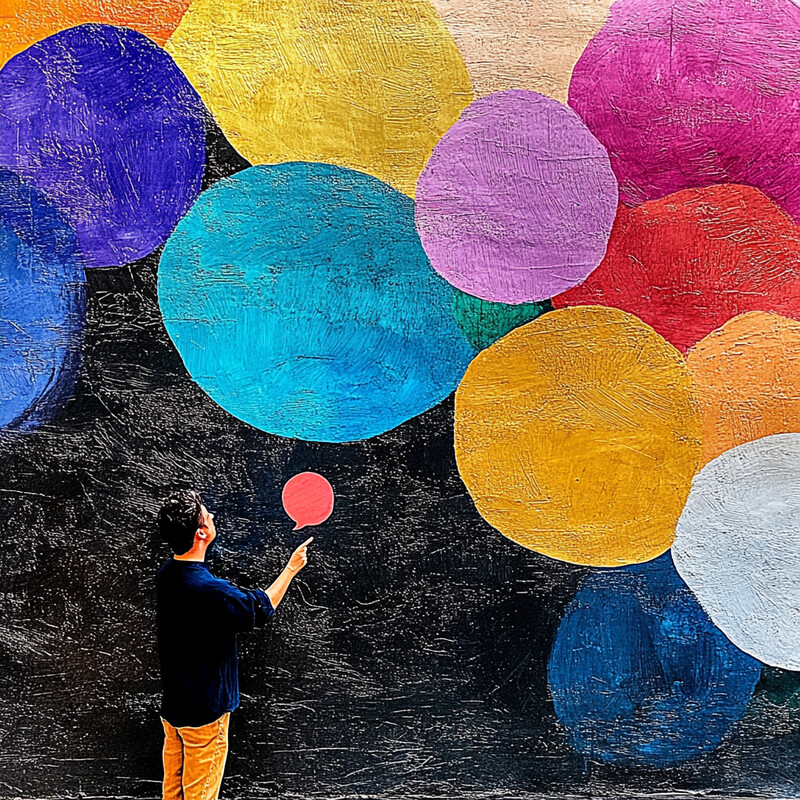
{"points": [[737, 546]]}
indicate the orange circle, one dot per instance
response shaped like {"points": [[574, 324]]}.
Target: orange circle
{"points": [[577, 437], [746, 378], [24, 22]]}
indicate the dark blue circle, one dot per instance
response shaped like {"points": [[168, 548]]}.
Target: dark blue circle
{"points": [[103, 121], [639, 674], [42, 305]]}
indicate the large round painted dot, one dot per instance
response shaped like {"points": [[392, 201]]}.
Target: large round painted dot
{"points": [[576, 436], [42, 305], [692, 94], [522, 44], [688, 263], [517, 201], [638, 673], [25, 22], [302, 302], [737, 546], [360, 85], [102, 121], [746, 379]]}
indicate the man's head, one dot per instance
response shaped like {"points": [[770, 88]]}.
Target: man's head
{"points": [[184, 522]]}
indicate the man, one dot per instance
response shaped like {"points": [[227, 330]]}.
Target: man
{"points": [[198, 617]]}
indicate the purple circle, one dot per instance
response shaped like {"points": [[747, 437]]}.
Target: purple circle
{"points": [[693, 94], [102, 121], [517, 201]]}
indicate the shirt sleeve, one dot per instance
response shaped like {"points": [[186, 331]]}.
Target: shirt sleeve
{"points": [[244, 609]]}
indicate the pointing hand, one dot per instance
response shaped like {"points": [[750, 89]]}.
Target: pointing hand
{"points": [[300, 558]]}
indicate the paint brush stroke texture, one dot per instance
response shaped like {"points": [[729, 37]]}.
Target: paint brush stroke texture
{"points": [[42, 305], [25, 22], [367, 85], [688, 263], [101, 120], [693, 93], [302, 304], [522, 44], [738, 550], [576, 436], [746, 380], [301, 300], [639, 674], [517, 201]]}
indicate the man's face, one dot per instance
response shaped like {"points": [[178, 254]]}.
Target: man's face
{"points": [[207, 524]]}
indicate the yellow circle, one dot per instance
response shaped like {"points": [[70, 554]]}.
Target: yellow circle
{"points": [[577, 437], [368, 85]]}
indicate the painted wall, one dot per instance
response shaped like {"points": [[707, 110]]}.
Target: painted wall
{"points": [[520, 280]]}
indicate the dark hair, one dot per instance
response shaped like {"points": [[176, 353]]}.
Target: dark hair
{"points": [[180, 516]]}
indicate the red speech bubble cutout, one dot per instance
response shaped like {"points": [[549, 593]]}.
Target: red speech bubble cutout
{"points": [[308, 499]]}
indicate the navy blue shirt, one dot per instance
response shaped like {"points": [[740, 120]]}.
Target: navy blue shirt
{"points": [[198, 617]]}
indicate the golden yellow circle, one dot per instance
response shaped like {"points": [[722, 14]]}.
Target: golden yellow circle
{"points": [[577, 436], [368, 85]]}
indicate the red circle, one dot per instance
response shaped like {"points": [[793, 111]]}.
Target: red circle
{"points": [[689, 262]]}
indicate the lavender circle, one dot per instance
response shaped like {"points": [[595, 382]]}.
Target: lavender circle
{"points": [[517, 200]]}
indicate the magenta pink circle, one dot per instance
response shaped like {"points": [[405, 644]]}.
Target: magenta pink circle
{"points": [[696, 93]]}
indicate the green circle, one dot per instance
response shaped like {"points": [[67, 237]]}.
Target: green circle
{"points": [[483, 322]]}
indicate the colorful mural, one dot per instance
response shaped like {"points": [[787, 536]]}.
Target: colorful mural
{"points": [[517, 283]]}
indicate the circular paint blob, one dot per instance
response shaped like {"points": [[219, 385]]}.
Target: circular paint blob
{"points": [[737, 547], [484, 322], [688, 263], [691, 94], [302, 302], [639, 674], [24, 22], [102, 121], [522, 44], [307, 499], [746, 379], [517, 201], [353, 84], [42, 305], [576, 436]]}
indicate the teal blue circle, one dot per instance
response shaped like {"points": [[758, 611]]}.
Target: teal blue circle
{"points": [[302, 302]]}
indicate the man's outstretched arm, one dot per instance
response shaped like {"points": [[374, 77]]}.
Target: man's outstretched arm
{"points": [[298, 560]]}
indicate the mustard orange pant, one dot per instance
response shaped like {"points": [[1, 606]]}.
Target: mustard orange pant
{"points": [[194, 760]]}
